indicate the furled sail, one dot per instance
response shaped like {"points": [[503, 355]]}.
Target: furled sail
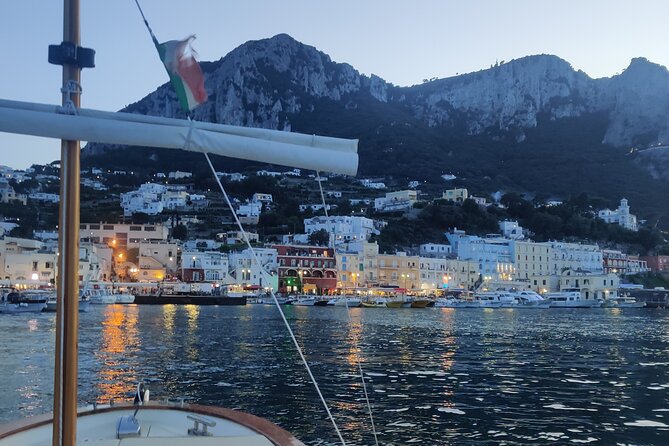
{"points": [[313, 152]]}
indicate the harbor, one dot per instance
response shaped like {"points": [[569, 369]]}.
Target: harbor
{"points": [[597, 375]]}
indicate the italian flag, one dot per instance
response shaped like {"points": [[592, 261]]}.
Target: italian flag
{"points": [[184, 71]]}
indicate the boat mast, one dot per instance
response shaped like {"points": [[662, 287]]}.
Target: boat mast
{"points": [[67, 316]]}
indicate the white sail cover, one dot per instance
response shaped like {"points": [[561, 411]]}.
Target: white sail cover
{"points": [[268, 146]]}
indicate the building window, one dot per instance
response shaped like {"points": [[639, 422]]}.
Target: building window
{"points": [[135, 228], [149, 228], [106, 227], [34, 266]]}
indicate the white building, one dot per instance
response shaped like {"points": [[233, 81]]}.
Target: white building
{"points": [[209, 266], [396, 201], [268, 173], [620, 216], [178, 175], [123, 235], [435, 250], [42, 196], [236, 237], [262, 198], [8, 195], [372, 184], [511, 229], [447, 274], [493, 254], [343, 229], [314, 207], [93, 184], [249, 213], [246, 273], [152, 199], [233, 176]]}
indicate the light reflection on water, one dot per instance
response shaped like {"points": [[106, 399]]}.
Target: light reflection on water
{"points": [[435, 376]]}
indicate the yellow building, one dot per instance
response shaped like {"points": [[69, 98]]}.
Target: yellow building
{"points": [[447, 274], [456, 195], [592, 286]]}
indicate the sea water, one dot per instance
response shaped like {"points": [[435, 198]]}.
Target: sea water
{"points": [[434, 376]]}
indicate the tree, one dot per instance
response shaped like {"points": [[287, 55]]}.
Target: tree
{"points": [[180, 232], [319, 238]]}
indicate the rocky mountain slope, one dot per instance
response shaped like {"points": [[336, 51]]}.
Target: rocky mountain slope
{"points": [[535, 113]]}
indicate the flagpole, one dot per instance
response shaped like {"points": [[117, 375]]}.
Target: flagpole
{"points": [[67, 316]]}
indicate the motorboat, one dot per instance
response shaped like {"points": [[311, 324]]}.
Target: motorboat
{"points": [[622, 302], [104, 294], [484, 299], [305, 301], [530, 299], [377, 302], [345, 301], [571, 298], [28, 301], [420, 303]]}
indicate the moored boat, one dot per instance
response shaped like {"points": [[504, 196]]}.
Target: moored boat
{"points": [[570, 299], [530, 299], [305, 301], [29, 301], [623, 302]]}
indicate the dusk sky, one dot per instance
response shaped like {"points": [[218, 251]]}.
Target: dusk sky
{"points": [[402, 42]]}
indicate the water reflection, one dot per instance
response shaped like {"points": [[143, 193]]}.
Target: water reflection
{"points": [[120, 340], [438, 376]]}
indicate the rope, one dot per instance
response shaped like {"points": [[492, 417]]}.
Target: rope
{"points": [[348, 313], [276, 302]]}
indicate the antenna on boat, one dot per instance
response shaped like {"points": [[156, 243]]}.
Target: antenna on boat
{"points": [[73, 58]]}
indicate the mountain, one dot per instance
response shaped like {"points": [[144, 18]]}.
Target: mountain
{"points": [[532, 125]]}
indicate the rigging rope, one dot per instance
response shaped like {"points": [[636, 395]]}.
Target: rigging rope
{"points": [[276, 302], [348, 313]]}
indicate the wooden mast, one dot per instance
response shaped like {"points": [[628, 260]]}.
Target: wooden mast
{"points": [[67, 316]]}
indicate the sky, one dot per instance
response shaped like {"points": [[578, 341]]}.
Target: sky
{"points": [[401, 41]]}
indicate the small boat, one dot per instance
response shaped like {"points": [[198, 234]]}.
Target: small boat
{"points": [[379, 302], [420, 303], [623, 302], [29, 301]]}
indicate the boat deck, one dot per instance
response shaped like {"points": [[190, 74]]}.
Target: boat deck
{"points": [[160, 426]]}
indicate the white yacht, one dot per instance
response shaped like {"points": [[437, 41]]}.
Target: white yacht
{"points": [[530, 299], [484, 299], [570, 298], [305, 301], [345, 301]]}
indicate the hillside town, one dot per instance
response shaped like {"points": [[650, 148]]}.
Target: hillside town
{"points": [[333, 254]]}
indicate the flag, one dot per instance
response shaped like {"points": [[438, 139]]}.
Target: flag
{"points": [[184, 71]]}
